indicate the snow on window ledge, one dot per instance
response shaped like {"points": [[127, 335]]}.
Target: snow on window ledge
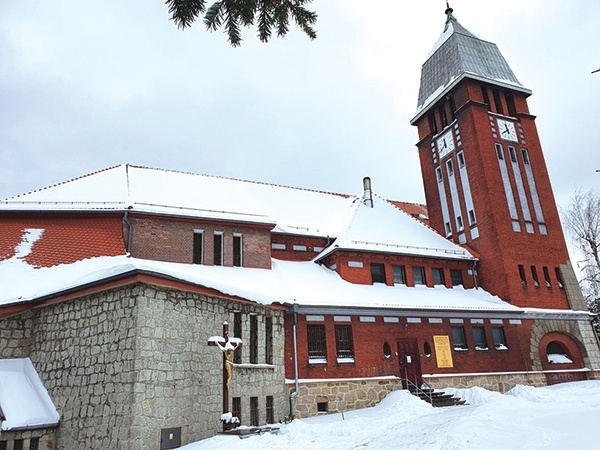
{"points": [[481, 348], [345, 360], [555, 358], [501, 347], [317, 360], [460, 349]]}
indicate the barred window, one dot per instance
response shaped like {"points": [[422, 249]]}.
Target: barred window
{"points": [[254, 411], [269, 410], [343, 343], [317, 350]]}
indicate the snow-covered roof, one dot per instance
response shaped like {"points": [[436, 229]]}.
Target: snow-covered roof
{"points": [[157, 191], [23, 398], [305, 284], [385, 228], [459, 54]]}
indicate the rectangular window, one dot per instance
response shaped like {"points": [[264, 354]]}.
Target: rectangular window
{"points": [[450, 168], [522, 274], [461, 159], [236, 407], [456, 275], [547, 276], [343, 343], [269, 410], [198, 252], [512, 153], [419, 275], [486, 97], [237, 332], [18, 444], [317, 350], [438, 276], [237, 250], [499, 338], [499, 152], [218, 249], [452, 105], [479, 338], [438, 173], [253, 339], [458, 338], [525, 156], [34, 443], [472, 219], [254, 411], [529, 227], [448, 228], [269, 340], [459, 223], [399, 274], [534, 275], [510, 104], [378, 273], [558, 275]]}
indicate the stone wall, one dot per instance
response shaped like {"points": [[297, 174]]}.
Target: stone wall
{"points": [[491, 382], [342, 395], [123, 364]]}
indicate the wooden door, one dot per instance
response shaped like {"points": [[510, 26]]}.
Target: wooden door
{"points": [[409, 361]]}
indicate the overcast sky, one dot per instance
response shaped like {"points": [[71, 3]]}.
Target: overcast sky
{"points": [[85, 85]]}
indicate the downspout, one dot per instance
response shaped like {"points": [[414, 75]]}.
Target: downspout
{"points": [[475, 274], [128, 242], [293, 395]]}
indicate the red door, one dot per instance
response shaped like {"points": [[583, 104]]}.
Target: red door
{"points": [[410, 364]]}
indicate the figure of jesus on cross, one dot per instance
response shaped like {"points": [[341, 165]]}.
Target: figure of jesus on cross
{"points": [[228, 346]]}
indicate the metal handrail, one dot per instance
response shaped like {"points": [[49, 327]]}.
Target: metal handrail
{"points": [[418, 389]]}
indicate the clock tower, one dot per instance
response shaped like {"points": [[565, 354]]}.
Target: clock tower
{"points": [[485, 178]]}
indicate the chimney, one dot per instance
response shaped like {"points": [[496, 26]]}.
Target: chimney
{"points": [[368, 195]]}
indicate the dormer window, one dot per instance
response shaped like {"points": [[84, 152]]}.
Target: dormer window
{"points": [[378, 273]]}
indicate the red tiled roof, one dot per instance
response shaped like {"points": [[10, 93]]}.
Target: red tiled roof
{"points": [[66, 238], [417, 210]]}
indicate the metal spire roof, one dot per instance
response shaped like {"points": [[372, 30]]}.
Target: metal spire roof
{"points": [[460, 54]]}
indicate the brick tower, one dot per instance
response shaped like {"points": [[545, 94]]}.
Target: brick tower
{"points": [[484, 173]]}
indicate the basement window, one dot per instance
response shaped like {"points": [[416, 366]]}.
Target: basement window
{"points": [[322, 407]]}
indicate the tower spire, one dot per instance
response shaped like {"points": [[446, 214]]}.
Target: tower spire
{"points": [[448, 12]]}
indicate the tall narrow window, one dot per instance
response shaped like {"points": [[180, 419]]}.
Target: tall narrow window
{"points": [[547, 276], [525, 156], [253, 339], [458, 338], [237, 332], [399, 274], [198, 252], [419, 275], [456, 275], [343, 343], [499, 338], [461, 159], [513, 155], [317, 350], [459, 223], [499, 152], [448, 229], [438, 173], [438, 276], [452, 105], [218, 249], [450, 168], [269, 410], [472, 220], [237, 250], [236, 407], [486, 97], [479, 339], [433, 124], [510, 104], [443, 116], [498, 102], [522, 274], [558, 277], [269, 340], [254, 411], [534, 275], [378, 273]]}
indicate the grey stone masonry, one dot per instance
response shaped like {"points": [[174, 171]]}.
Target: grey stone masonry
{"points": [[123, 364]]}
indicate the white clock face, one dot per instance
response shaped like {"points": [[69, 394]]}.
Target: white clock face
{"points": [[507, 130], [445, 144]]}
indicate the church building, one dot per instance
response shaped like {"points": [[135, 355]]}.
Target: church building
{"points": [[116, 284]]}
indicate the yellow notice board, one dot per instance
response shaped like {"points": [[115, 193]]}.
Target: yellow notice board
{"points": [[443, 353]]}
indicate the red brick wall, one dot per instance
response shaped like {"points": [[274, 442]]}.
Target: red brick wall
{"points": [[171, 240], [501, 249], [370, 361], [306, 247]]}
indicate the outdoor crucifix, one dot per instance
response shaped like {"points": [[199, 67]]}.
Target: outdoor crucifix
{"points": [[227, 346]]}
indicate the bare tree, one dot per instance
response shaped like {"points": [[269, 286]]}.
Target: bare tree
{"points": [[582, 220]]}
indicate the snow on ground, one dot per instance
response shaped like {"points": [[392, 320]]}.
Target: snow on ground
{"points": [[555, 417]]}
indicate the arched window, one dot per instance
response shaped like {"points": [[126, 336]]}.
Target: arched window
{"points": [[557, 354], [427, 349], [387, 350]]}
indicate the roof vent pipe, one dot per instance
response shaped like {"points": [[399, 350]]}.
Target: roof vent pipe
{"points": [[368, 194]]}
